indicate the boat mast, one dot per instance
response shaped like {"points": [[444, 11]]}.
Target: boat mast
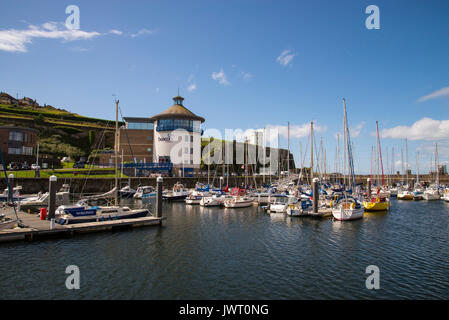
{"points": [[116, 152], [437, 165], [345, 142], [380, 153], [311, 152], [288, 147], [406, 159]]}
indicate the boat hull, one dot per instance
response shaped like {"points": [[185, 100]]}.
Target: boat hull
{"points": [[376, 206], [347, 214]]}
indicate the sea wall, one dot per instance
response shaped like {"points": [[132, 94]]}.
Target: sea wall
{"points": [[97, 185]]}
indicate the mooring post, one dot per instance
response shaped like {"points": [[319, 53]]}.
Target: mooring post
{"points": [[159, 181], [221, 183], [315, 194], [52, 199], [11, 188], [369, 187]]}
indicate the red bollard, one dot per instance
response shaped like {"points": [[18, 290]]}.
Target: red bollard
{"points": [[43, 214]]}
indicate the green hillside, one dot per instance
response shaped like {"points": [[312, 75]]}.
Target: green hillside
{"points": [[61, 133]]}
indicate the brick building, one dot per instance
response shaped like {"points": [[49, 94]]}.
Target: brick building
{"points": [[18, 144]]}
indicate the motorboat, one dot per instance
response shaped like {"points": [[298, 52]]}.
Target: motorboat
{"points": [[177, 193], [145, 192], [82, 213], [196, 196], [15, 194], [41, 200], [281, 203], [126, 192]]}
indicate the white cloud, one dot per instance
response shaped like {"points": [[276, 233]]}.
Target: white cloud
{"points": [[13, 40], [436, 94], [295, 130], [246, 75], [285, 58], [142, 32], [424, 129], [117, 32], [354, 132], [220, 77], [192, 87]]}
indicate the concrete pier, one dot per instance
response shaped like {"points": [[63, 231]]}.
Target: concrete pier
{"points": [[37, 229]]}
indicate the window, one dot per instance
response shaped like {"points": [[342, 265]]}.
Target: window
{"points": [[191, 138], [27, 151], [14, 151], [187, 138], [186, 150], [15, 136], [140, 125], [149, 138], [191, 150]]}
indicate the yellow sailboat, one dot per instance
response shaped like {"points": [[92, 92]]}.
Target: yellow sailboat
{"points": [[377, 204]]}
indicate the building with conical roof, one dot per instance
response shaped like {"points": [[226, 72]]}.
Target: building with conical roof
{"points": [[168, 141], [177, 136]]}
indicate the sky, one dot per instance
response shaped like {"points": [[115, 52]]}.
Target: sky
{"points": [[245, 64]]}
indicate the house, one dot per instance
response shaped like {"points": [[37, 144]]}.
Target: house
{"points": [[7, 99]]}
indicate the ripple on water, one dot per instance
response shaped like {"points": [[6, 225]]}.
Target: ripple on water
{"points": [[212, 253]]}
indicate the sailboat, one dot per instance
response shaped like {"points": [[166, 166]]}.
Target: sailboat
{"points": [[433, 193], [82, 211], [348, 207], [378, 202], [405, 193]]}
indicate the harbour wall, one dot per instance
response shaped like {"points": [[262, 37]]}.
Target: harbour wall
{"points": [[97, 185]]}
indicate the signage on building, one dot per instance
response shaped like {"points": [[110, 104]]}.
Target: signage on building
{"points": [[167, 138]]}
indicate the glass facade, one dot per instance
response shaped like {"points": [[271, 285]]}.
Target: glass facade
{"points": [[140, 125], [173, 124]]}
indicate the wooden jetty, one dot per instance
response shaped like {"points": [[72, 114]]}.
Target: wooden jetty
{"points": [[37, 229]]}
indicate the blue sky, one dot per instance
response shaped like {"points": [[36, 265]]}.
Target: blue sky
{"points": [[244, 64]]}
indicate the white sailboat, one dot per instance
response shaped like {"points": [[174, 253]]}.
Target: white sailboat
{"points": [[348, 207]]}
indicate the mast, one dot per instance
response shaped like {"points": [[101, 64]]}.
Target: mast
{"points": [[417, 167], [311, 152], [345, 142], [437, 164], [380, 153], [406, 159], [116, 152], [288, 144]]}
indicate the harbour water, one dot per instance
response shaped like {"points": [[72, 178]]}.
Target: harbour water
{"points": [[214, 253]]}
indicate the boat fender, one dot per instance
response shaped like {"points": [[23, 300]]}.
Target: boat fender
{"points": [[352, 205]]}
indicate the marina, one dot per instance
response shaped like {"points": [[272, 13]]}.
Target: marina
{"points": [[223, 253]]}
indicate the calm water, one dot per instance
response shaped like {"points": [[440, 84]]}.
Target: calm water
{"points": [[211, 253]]}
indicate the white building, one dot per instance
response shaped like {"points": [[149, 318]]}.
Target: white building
{"points": [[177, 137]]}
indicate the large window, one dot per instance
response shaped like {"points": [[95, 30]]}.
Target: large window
{"points": [[173, 124], [14, 150], [27, 151], [15, 136], [140, 125]]}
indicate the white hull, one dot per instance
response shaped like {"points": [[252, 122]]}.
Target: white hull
{"points": [[431, 196], [347, 214], [238, 203]]}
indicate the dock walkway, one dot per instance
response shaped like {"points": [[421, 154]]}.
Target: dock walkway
{"points": [[36, 228]]}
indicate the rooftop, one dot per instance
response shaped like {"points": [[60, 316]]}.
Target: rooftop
{"points": [[177, 111]]}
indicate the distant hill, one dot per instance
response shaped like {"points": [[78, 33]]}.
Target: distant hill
{"points": [[61, 133]]}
